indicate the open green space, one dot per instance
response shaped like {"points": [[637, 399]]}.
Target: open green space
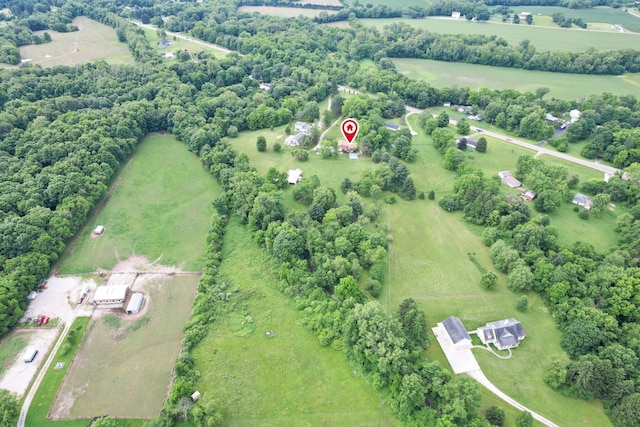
{"points": [[178, 45], [12, 345], [441, 74], [129, 352], [286, 380], [93, 41], [542, 38], [598, 14], [426, 243], [393, 3], [160, 208]]}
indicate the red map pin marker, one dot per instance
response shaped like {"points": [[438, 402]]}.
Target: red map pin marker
{"points": [[350, 129]]}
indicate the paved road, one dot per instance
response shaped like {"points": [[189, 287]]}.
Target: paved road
{"points": [[189, 39]]}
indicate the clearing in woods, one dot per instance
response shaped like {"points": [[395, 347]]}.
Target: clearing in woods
{"points": [[129, 352], [285, 12], [93, 41]]}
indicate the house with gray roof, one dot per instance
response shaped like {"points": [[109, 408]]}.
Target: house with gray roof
{"points": [[302, 127], [456, 331], [504, 334], [295, 140], [582, 200], [508, 179]]}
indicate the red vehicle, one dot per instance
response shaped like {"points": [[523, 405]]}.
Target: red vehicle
{"points": [[46, 320], [40, 320]]}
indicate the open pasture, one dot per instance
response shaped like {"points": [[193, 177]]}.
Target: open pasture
{"points": [[135, 353], [426, 243], [441, 74], [160, 207], [93, 41], [284, 380], [284, 12], [542, 38], [393, 3], [337, 3], [598, 14]]}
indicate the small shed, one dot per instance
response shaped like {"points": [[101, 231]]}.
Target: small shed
{"points": [[135, 302], [529, 195], [195, 396], [294, 176], [99, 230]]}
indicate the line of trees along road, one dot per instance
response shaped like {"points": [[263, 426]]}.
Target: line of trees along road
{"points": [[65, 131]]}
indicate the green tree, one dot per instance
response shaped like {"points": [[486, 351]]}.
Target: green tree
{"points": [[8, 408], [442, 139], [443, 120], [556, 374], [463, 127], [524, 419], [481, 147], [520, 279], [460, 399], [495, 415], [627, 412], [453, 158], [522, 304], [348, 288], [432, 195], [277, 147], [580, 338], [600, 202], [489, 280], [408, 191], [414, 324], [206, 412], [106, 422], [261, 143]]}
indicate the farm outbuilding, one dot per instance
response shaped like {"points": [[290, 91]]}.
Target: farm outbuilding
{"points": [[114, 296], [135, 302]]}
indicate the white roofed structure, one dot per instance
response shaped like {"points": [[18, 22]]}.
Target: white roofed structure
{"points": [[112, 295], [135, 303]]}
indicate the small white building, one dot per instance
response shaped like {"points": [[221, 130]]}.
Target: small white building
{"points": [[575, 115], [455, 15], [294, 176], [99, 230], [135, 303]]}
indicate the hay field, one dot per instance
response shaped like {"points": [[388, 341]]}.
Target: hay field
{"points": [[321, 2], [92, 42], [542, 38], [441, 74], [129, 355]]}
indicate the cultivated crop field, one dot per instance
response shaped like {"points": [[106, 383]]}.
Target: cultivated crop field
{"points": [[284, 12], [286, 380], [160, 208], [441, 74], [542, 38], [135, 353], [92, 42]]}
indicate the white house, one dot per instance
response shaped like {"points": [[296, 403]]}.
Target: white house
{"points": [[503, 334]]}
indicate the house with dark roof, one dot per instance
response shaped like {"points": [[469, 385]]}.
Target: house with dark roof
{"points": [[508, 179], [456, 331], [504, 334], [582, 200], [392, 126]]}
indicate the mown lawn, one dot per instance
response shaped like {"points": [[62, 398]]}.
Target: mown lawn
{"points": [[287, 380], [441, 74], [160, 208], [598, 14], [12, 345], [284, 12], [542, 38]]}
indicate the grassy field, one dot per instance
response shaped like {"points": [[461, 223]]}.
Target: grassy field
{"points": [[393, 3], [92, 42], [133, 353], [284, 12], [598, 14], [421, 227], [12, 345], [179, 44], [542, 38], [160, 208], [441, 74], [288, 380]]}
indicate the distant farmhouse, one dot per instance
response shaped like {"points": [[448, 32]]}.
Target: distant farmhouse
{"points": [[164, 43], [392, 126], [301, 129], [582, 200], [508, 179], [504, 334]]}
